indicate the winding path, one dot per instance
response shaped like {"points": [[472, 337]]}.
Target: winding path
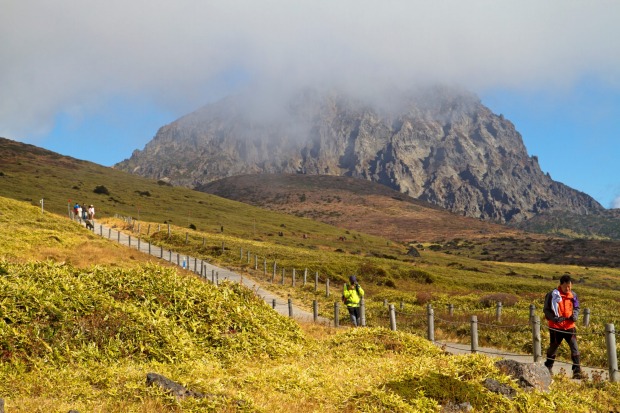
{"points": [[213, 273]]}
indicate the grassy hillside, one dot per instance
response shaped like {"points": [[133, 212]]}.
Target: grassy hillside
{"points": [[83, 320], [603, 225], [373, 208], [29, 174], [355, 204], [85, 337]]}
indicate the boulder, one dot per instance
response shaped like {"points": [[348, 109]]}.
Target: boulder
{"points": [[528, 375], [171, 387], [499, 388], [413, 252]]}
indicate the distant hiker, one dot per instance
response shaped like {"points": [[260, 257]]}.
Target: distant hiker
{"points": [[91, 212], [78, 212], [561, 311], [352, 296]]}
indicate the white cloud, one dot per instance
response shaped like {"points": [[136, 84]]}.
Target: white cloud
{"points": [[69, 55], [616, 202]]}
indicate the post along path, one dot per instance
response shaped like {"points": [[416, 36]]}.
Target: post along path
{"points": [[214, 273]]}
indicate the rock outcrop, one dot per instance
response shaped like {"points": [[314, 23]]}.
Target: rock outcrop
{"points": [[440, 145]]}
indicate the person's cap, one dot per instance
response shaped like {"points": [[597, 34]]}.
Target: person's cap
{"points": [[352, 279]]}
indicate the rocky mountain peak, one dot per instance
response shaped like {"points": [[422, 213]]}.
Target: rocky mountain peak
{"points": [[439, 144]]}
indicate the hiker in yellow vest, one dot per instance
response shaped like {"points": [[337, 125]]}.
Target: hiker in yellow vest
{"points": [[352, 296]]}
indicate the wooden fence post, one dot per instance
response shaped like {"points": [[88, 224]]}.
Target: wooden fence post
{"points": [[273, 277], [168, 230], [532, 312], [315, 310], [431, 324], [451, 309], [336, 314], [392, 317], [363, 312], [283, 271], [612, 356], [586, 317], [264, 267], [129, 237], [498, 311], [536, 341], [316, 281], [273, 303], [290, 308], [327, 288], [293, 277], [474, 334], [305, 276]]}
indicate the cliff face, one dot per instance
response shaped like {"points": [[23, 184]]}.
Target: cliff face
{"points": [[440, 145]]}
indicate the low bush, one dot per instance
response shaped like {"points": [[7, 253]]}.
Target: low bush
{"points": [[421, 276], [506, 299], [100, 189]]}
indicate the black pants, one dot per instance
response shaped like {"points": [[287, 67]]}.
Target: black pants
{"points": [[356, 316], [555, 339]]}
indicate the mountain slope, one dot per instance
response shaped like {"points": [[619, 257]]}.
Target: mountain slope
{"points": [[353, 204], [439, 145]]}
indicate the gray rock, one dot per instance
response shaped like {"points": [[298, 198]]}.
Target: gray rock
{"points": [[440, 145], [154, 379], [413, 252], [528, 375], [499, 388]]}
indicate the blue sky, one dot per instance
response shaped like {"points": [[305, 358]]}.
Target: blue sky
{"points": [[95, 80]]}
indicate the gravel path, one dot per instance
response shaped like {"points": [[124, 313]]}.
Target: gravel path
{"points": [[213, 273], [207, 271]]}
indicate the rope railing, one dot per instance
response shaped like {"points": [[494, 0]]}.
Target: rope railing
{"points": [[200, 268]]}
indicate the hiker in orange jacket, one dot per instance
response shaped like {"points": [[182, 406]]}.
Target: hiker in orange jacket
{"points": [[561, 311]]}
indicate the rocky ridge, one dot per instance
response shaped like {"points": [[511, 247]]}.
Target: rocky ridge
{"points": [[439, 145]]}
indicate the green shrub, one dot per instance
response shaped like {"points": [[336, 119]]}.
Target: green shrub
{"points": [[100, 189], [421, 276]]}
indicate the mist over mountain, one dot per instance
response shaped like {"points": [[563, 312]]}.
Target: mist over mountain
{"points": [[438, 144]]}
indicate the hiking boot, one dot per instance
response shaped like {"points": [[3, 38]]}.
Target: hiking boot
{"points": [[550, 368], [577, 375]]}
